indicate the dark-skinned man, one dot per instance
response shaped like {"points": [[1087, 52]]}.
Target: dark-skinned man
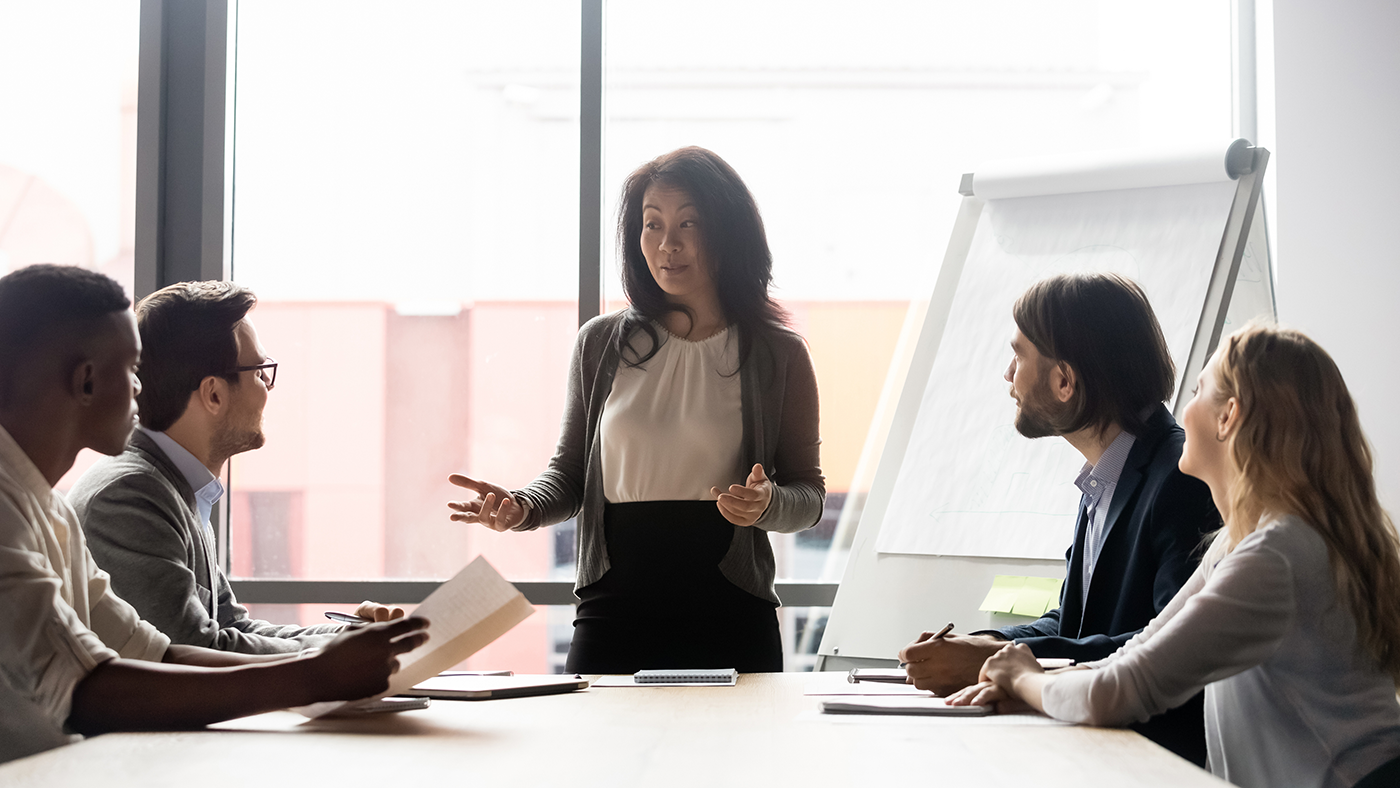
{"points": [[75, 658]]}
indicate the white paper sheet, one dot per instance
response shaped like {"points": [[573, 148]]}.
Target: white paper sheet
{"points": [[464, 614], [991, 720], [901, 706], [865, 688], [970, 485]]}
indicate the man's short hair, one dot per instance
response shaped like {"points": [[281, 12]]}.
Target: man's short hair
{"points": [[41, 304], [187, 335], [1103, 327]]}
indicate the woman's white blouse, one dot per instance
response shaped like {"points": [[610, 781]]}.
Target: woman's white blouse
{"points": [[672, 428], [1290, 697]]}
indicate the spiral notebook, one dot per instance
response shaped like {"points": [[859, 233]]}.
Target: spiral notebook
{"points": [[726, 676]]}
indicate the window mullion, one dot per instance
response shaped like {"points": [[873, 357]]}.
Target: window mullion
{"points": [[590, 180]]}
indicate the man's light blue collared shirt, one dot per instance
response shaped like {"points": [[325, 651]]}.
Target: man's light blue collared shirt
{"points": [[1098, 482], [207, 487]]}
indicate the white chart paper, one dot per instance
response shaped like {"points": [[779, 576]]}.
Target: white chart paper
{"points": [[970, 485]]}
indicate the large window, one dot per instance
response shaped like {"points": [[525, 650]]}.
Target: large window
{"points": [[852, 124], [405, 187], [68, 74], [407, 200]]}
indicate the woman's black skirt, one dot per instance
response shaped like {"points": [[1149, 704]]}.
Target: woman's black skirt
{"points": [[663, 602]]}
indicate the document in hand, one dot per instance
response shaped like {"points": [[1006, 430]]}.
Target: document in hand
{"points": [[464, 614]]}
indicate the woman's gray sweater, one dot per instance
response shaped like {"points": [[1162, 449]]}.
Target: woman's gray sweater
{"points": [[778, 389]]}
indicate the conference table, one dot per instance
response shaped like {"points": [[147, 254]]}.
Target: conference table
{"points": [[762, 732]]}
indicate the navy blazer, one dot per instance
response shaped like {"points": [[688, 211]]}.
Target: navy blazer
{"points": [[1154, 535]]}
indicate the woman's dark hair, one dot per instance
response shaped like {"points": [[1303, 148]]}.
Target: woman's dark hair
{"points": [[1103, 327], [186, 336], [732, 242]]}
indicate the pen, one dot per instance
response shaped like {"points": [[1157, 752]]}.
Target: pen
{"points": [[347, 618]]}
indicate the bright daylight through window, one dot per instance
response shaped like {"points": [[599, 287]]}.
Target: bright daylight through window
{"points": [[68, 182], [406, 207]]}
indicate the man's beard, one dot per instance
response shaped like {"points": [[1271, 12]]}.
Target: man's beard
{"points": [[1040, 415], [230, 440]]}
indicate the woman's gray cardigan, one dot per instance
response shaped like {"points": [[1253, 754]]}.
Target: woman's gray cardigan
{"points": [[778, 389]]}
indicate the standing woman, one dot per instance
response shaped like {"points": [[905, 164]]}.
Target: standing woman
{"points": [[1292, 621], [690, 432]]}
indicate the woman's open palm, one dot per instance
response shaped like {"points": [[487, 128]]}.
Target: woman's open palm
{"points": [[494, 506], [744, 504]]}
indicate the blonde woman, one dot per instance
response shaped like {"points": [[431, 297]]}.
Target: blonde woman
{"points": [[1292, 622]]}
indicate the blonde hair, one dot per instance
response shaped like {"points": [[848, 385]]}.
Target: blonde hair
{"points": [[1299, 450]]}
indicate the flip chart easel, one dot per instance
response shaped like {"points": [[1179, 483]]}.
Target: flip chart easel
{"points": [[925, 553]]}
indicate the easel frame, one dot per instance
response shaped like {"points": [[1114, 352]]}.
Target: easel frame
{"points": [[858, 632]]}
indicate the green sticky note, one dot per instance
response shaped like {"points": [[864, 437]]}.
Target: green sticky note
{"points": [[1002, 597], [1038, 594]]}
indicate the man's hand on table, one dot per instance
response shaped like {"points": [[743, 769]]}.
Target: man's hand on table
{"points": [[377, 612]]}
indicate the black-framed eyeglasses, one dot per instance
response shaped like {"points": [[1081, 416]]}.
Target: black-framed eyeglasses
{"points": [[267, 372]]}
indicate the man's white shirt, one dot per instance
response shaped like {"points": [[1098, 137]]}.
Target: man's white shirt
{"points": [[58, 616]]}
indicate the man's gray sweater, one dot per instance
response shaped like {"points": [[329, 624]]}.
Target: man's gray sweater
{"points": [[144, 529]]}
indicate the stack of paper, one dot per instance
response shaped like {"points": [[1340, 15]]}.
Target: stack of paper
{"points": [[905, 705]]}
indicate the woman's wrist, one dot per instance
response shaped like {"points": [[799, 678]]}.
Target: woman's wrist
{"points": [[526, 508], [767, 507], [1029, 685]]}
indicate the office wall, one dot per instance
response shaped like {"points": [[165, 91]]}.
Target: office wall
{"points": [[1337, 69]]}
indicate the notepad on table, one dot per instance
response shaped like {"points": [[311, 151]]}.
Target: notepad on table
{"points": [[936, 707], [466, 687]]}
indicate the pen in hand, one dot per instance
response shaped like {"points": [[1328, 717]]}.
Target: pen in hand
{"points": [[937, 636], [347, 618]]}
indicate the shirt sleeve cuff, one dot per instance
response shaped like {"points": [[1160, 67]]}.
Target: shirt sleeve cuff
{"points": [[146, 643]]}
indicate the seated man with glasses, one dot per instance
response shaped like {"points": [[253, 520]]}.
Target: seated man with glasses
{"points": [[146, 512]]}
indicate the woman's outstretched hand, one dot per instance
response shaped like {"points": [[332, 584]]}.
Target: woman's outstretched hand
{"points": [[744, 504], [494, 506]]}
